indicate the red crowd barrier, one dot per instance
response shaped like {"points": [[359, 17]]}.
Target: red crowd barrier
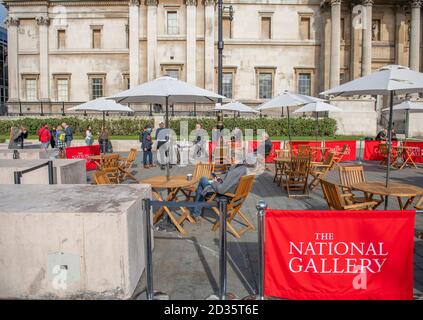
{"points": [[317, 155], [276, 145], [339, 255], [337, 146], [83, 152], [417, 152], [371, 150]]}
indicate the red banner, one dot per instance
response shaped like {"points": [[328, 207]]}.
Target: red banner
{"points": [[417, 151], [371, 150], [348, 255], [316, 154], [337, 146], [84, 152]]}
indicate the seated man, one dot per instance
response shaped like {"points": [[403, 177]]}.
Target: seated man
{"points": [[227, 182]]}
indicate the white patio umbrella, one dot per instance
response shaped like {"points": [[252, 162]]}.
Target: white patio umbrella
{"points": [[288, 99], [317, 107], [165, 91], [101, 105], [236, 107], [387, 80], [407, 106]]}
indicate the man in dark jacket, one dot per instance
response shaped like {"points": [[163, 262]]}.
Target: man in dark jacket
{"points": [[68, 134], [17, 136], [146, 146]]}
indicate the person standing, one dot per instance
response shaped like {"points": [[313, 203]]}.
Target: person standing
{"points": [[61, 140], [146, 146], [162, 136], [44, 135], [17, 136], [103, 140], [89, 136], [69, 134], [53, 142]]}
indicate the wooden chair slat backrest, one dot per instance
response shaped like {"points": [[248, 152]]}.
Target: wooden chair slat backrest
{"points": [[132, 155], [202, 170], [350, 175], [241, 193], [304, 150], [329, 159], [101, 178], [332, 195], [109, 161], [300, 165]]}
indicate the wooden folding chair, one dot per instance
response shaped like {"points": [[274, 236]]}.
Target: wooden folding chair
{"points": [[419, 205], [296, 176], [319, 170], [200, 170], [383, 150], [125, 165], [109, 164], [350, 175], [100, 177], [337, 157], [336, 200], [235, 203]]}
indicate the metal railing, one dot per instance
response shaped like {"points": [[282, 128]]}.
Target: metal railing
{"points": [[18, 174]]}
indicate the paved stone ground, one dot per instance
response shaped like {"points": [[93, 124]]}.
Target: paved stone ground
{"points": [[186, 267]]}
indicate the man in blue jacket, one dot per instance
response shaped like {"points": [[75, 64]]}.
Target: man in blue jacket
{"points": [[146, 147]]}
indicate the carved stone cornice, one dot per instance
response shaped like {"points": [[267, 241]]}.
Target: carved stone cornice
{"points": [[416, 3], [368, 3], [11, 21], [209, 2], [190, 2], [134, 2], [152, 2], [335, 2], [42, 20]]}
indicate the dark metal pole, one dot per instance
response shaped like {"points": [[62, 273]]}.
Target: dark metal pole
{"points": [[63, 108], [169, 151], [223, 203], [407, 119], [289, 124], [195, 109], [42, 109], [148, 249], [50, 172], [151, 110], [388, 164], [17, 176], [261, 212], [20, 108]]}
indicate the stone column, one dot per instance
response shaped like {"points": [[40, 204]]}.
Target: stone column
{"points": [[151, 38], [134, 43], [415, 35], [209, 45], [191, 54], [12, 24], [355, 52], [366, 60], [44, 83], [400, 29], [335, 50]]}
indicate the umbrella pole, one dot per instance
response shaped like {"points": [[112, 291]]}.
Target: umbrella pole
{"points": [[388, 167], [104, 119], [167, 126], [289, 124], [407, 119]]}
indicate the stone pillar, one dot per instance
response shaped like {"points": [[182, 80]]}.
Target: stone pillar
{"points": [[415, 35], [400, 29], [134, 43], [335, 50], [44, 83], [191, 54], [366, 60], [12, 24], [209, 45], [356, 27], [151, 38]]}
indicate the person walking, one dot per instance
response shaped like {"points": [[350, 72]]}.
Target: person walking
{"points": [[69, 134], [146, 146], [89, 136], [61, 141], [103, 140], [44, 135]]}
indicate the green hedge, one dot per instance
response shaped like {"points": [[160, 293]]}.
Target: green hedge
{"points": [[133, 125]]}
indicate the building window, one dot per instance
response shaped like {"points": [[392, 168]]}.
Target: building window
{"points": [[173, 73], [376, 30], [304, 84], [342, 29], [126, 82], [61, 39], [265, 85], [227, 84], [127, 36], [96, 38], [227, 28], [62, 87], [31, 89], [266, 27], [305, 23], [172, 22], [97, 87]]}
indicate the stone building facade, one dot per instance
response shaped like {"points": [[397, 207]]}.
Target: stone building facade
{"points": [[76, 50]]}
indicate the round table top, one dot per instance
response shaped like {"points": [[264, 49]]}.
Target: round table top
{"points": [[394, 189], [160, 182]]}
